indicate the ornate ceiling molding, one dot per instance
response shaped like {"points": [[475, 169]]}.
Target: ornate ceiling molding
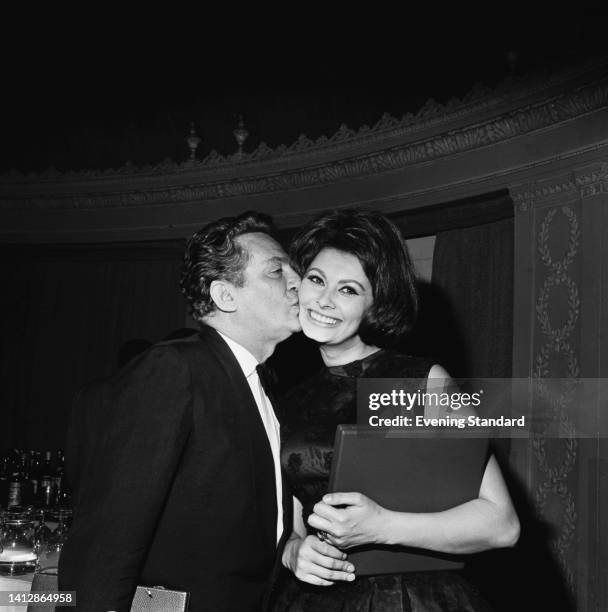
{"points": [[428, 136], [478, 100]]}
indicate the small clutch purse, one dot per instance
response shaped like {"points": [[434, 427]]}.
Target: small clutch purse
{"points": [[159, 599]]}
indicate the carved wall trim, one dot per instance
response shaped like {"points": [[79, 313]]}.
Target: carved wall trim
{"points": [[584, 183], [136, 187], [555, 460]]}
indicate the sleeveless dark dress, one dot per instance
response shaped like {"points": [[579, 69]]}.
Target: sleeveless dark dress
{"points": [[309, 415]]}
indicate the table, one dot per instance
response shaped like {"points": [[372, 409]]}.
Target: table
{"points": [[16, 583]]}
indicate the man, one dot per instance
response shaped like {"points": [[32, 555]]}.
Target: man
{"points": [[186, 491]]}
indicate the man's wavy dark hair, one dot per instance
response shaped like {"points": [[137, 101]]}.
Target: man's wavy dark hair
{"points": [[377, 243], [213, 253]]}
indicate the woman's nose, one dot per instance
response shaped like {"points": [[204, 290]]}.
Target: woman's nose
{"points": [[325, 299]]}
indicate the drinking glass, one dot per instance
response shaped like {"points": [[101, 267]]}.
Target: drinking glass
{"points": [[50, 549], [18, 554]]}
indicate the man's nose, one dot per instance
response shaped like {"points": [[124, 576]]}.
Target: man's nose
{"points": [[293, 280]]}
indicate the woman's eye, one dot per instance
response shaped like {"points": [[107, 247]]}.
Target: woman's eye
{"points": [[313, 278], [277, 272], [348, 291]]}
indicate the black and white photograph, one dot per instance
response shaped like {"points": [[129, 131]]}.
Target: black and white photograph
{"points": [[305, 316]]}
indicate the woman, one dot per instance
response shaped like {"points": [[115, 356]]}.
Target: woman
{"points": [[357, 300]]}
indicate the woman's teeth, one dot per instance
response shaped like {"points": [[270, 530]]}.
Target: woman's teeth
{"points": [[319, 318]]}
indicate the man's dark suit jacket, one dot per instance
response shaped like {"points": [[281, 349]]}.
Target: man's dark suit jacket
{"points": [[181, 492], [84, 427]]}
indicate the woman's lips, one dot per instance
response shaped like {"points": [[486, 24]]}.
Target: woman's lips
{"points": [[322, 319]]}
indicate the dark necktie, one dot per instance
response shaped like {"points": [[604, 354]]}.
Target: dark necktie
{"points": [[265, 377]]}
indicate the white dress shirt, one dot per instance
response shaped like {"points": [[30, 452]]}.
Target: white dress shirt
{"points": [[248, 364]]}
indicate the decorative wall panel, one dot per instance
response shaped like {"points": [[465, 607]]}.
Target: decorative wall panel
{"points": [[557, 328]]}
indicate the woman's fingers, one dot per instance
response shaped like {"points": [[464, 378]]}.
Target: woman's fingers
{"points": [[330, 563], [322, 564], [327, 550], [314, 580], [325, 511], [332, 576], [343, 499], [324, 574], [320, 523]]}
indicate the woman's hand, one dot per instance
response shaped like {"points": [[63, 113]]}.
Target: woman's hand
{"points": [[316, 562], [360, 522]]}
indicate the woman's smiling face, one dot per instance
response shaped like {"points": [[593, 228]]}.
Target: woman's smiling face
{"points": [[334, 296]]}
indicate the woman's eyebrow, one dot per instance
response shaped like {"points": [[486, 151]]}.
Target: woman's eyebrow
{"points": [[341, 281], [317, 270], [351, 280]]}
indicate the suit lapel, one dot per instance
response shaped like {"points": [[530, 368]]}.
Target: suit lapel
{"points": [[250, 431]]}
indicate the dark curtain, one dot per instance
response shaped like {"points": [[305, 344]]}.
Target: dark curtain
{"points": [[470, 300], [65, 313], [465, 320]]}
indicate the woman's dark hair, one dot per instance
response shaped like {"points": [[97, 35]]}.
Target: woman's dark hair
{"points": [[378, 245], [213, 253]]}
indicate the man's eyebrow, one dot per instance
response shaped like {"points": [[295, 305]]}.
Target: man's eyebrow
{"points": [[277, 259]]}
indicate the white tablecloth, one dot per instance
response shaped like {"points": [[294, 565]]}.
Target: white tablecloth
{"points": [[16, 583]]}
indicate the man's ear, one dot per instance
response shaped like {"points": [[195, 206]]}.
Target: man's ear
{"points": [[223, 296]]}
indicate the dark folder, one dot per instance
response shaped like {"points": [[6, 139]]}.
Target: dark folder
{"points": [[426, 473]]}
